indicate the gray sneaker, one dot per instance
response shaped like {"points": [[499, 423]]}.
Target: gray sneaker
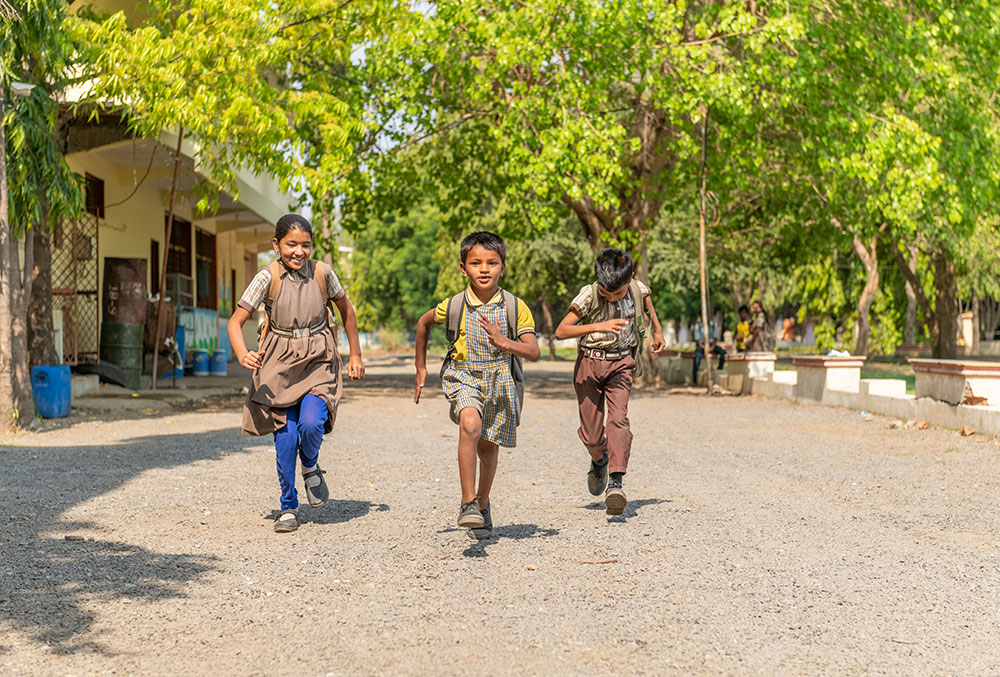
{"points": [[486, 530], [317, 492], [597, 478], [614, 499], [470, 516], [286, 521]]}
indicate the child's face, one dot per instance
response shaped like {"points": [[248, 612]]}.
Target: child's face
{"points": [[743, 314], [616, 295], [295, 248], [483, 267]]}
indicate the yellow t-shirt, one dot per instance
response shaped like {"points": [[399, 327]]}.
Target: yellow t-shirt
{"points": [[742, 331], [525, 321]]}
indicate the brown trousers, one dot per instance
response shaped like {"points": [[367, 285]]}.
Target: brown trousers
{"points": [[599, 383]]}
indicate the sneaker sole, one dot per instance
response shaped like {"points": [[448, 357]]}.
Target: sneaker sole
{"points": [[616, 504], [480, 534], [281, 529], [320, 504], [471, 522]]}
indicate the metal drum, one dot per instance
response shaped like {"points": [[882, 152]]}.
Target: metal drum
{"points": [[124, 291], [121, 345]]}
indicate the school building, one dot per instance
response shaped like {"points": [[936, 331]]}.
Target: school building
{"points": [[211, 256]]}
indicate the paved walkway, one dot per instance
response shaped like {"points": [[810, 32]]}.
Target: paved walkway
{"points": [[762, 537]]}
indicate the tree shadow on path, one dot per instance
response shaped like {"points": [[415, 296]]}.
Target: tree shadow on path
{"points": [[50, 585]]}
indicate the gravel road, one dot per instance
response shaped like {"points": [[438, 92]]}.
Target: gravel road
{"points": [[762, 537]]}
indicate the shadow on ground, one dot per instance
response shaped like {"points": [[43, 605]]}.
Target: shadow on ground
{"points": [[334, 512], [47, 583], [631, 509], [516, 532]]}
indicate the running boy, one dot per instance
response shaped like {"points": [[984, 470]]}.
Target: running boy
{"points": [[296, 379], [610, 340], [493, 330]]}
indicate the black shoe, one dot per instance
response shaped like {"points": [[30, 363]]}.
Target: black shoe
{"points": [[486, 530], [470, 516], [597, 478], [319, 494], [286, 521], [614, 498]]}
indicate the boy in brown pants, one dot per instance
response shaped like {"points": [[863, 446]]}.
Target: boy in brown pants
{"points": [[610, 340]]}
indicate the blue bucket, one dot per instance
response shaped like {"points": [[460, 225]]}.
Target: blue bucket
{"points": [[201, 366], [218, 366], [52, 390]]}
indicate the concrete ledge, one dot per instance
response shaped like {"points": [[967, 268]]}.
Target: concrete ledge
{"points": [[818, 373], [82, 385], [952, 380]]}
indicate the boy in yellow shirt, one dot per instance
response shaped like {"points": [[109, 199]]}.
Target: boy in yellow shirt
{"points": [[489, 330]]}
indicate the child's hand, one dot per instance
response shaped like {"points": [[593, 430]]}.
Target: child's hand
{"points": [[658, 342], [497, 336], [355, 368], [252, 360], [421, 378], [612, 326]]}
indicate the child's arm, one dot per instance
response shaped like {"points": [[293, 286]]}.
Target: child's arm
{"points": [[250, 359], [355, 367], [658, 342], [569, 328], [424, 324]]}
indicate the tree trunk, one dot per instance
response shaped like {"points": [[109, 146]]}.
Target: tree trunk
{"points": [[550, 331], [944, 343], [41, 334], [975, 324], [8, 406], [910, 333], [869, 257]]}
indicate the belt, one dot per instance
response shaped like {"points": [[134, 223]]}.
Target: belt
{"points": [[301, 332], [599, 354]]}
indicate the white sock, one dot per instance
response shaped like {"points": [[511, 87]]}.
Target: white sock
{"points": [[312, 481]]}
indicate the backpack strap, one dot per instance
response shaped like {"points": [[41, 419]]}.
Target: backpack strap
{"points": [[640, 307], [272, 293], [453, 318], [510, 304]]}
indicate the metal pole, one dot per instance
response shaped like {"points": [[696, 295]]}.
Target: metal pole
{"points": [[703, 253], [166, 255]]}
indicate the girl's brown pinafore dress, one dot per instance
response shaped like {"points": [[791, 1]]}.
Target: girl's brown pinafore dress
{"points": [[299, 356]]}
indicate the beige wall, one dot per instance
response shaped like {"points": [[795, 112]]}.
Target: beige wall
{"points": [[128, 228]]}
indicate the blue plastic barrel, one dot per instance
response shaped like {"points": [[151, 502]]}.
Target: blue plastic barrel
{"points": [[179, 337], [218, 366], [201, 366], [51, 389]]}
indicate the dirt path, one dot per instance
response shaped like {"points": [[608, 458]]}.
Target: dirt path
{"points": [[762, 537]]}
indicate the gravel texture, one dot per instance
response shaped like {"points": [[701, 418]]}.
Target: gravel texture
{"points": [[762, 537]]}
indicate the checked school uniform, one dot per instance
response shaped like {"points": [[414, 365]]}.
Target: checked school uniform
{"points": [[602, 378], [295, 394], [478, 375]]}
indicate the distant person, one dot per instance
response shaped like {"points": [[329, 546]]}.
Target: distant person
{"points": [[489, 332], [761, 338], [296, 383], [699, 347], [607, 319], [787, 329], [743, 330]]}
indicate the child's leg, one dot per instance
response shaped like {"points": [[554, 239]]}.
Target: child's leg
{"points": [[488, 452], [617, 389], [312, 421], [590, 397], [469, 431], [286, 447]]}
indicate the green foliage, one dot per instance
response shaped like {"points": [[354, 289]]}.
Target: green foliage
{"points": [[38, 51]]}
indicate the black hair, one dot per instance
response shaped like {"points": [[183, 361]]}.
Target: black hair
{"points": [[743, 307], [290, 222], [613, 269], [486, 240]]}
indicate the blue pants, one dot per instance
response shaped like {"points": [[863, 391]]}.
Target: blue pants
{"points": [[300, 437], [699, 353]]}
